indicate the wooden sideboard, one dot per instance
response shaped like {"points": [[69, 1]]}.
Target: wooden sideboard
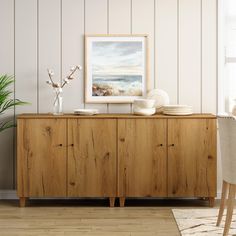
{"points": [[116, 155]]}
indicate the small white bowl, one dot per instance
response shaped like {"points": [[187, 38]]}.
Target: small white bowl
{"points": [[144, 103], [144, 111]]}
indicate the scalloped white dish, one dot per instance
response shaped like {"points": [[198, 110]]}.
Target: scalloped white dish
{"points": [[160, 96]]}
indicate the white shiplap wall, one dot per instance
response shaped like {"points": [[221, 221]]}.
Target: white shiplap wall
{"points": [[7, 65], [37, 34]]}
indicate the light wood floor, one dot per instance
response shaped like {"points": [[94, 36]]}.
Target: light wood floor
{"points": [[90, 217]]}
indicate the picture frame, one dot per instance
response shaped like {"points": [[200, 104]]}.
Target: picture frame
{"points": [[116, 68]]}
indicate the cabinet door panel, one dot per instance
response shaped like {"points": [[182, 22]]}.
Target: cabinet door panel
{"points": [[142, 169], [45, 151], [92, 157], [192, 159]]}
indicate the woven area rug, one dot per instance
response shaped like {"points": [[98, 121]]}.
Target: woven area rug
{"points": [[201, 222]]}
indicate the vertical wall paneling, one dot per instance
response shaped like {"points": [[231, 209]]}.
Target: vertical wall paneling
{"points": [[121, 26], [190, 53], [143, 18], [6, 67], [118, 24], [73, 52], [166, 50], [96, 15], [49, 50], [26, 54], [50, 34], [221, 103], [209, 56]]}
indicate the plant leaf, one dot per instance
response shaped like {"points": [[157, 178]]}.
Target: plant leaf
{"points": [[5, 101], [6, 125]]}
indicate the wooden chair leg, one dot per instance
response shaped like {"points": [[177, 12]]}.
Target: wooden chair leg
{"points": [[225, 188], [112, 201], [122, 201], [230, 208]]}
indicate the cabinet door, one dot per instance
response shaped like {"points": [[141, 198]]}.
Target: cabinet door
{"points": [[92, 157], [43, 149], [192, 157], [142, 162]]}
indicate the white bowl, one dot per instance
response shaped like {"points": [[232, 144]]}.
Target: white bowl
{"points": [[144, 103], [144, 111]]}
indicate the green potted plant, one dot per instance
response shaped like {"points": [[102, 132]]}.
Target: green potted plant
{"points": [[6, 102]]}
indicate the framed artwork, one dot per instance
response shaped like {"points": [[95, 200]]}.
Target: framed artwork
{"points": [[116, 68]]}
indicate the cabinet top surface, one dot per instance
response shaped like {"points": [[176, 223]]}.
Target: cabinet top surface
{"points": [[112, 116]]}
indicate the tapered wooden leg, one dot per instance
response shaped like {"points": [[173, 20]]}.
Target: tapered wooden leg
{"points": [[22, 201], [112, 201], [122, 201], [225, 189], [211, 201], [230, 208]]}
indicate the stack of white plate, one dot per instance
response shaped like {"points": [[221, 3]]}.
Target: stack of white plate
{"points": [[177, 110], [86, 112]]}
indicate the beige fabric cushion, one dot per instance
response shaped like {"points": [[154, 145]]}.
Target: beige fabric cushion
{"points": [[227, 132]]}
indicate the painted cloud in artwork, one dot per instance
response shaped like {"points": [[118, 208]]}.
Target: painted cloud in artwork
{"points": [[117, 68], [117, 58]]}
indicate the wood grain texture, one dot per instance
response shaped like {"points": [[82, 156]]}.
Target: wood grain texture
{"points": [[211, 201], [192, 158], [22, 163], [114, 116], [22, 201], [122, 201], [92, 158], [116, 156], [112, 201], [43, 152], [142, 169], [92, 218]]}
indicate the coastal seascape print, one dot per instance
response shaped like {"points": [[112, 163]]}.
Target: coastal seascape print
{"points": [[117, 69]]}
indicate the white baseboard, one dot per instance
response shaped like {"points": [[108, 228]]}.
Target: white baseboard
{"points": [[8, 194]]}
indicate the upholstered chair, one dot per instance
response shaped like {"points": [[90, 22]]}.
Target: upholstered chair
{"points": [[227, 132]]}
